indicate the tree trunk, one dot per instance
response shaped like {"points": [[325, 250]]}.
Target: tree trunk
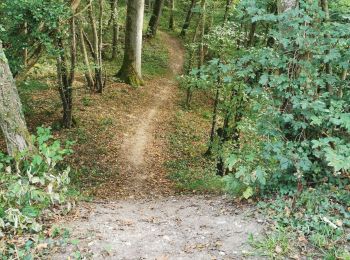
{"points": [[214, 121], [65, 75], [97, 46], [65, 85], [130, 71], [171, 17], [115, 27], [188, 19], [227, 9], [251, 36], [88, 73], [154, 21], [329, 69], [12, 121], [202, 32]]}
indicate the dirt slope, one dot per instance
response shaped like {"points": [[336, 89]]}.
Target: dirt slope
{"points": [[148, 221]]}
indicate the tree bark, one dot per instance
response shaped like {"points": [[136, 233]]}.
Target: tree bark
{"points": [[171, 17], [251, 36], [130, 71], [97, 44], [214, 120], [115, 28], [65, 73], [202, 32], [188, 19], [329, 69], [88, 73], [154, 21], [227, 10], [12, 120]]}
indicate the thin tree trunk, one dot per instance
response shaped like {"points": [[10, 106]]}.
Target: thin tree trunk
{"points": [[214, 121], [251, 36], [88, 73], [97, 45], [115, 28], [66, 76], [154, 21], [202, 32], [171, 17], [130, 71], [329, 70], [99, 75], [189, 15], [25, 51], [150, 5], [227, 10], [191, 59], [12, 120], [65, 87]]}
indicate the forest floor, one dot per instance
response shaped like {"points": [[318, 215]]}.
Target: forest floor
{"points": [[136, 212]]}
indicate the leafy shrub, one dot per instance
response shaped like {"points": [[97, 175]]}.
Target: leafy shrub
{"points": [[301, 135], [31, 183]]}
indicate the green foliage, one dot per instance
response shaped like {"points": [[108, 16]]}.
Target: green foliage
{"points": [[155, 58], [32, 183], [30, 24], [291, 116], [189, 170]]}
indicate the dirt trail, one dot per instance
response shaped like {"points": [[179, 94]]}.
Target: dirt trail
{"points": [[148, 221], [135, 145], [142, 153]]}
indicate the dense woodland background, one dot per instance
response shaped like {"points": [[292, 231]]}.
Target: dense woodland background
{"points": [[263, 113]]}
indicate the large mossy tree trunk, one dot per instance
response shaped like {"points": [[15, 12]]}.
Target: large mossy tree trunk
{"points": [[188, 18], [12, 120], [154, 21], [130, 71]]}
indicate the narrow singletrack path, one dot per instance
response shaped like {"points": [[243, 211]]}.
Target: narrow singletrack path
{"points": [[147, 220]]}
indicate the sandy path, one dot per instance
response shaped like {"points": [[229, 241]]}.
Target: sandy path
{"points": [[148, 221], [172, 228]]}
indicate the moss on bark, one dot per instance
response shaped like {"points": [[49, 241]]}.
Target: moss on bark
{"points": [[129, 75]]}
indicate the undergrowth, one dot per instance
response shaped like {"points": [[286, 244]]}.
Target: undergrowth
{"points": [[190, 170], [314, 224], [34, 188]]}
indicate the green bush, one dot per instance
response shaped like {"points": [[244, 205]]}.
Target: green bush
{"points": [[31, 183]]}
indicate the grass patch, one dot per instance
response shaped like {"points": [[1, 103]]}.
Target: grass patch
{"points": [[155, 58], [191, 170], [314, 223]]}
